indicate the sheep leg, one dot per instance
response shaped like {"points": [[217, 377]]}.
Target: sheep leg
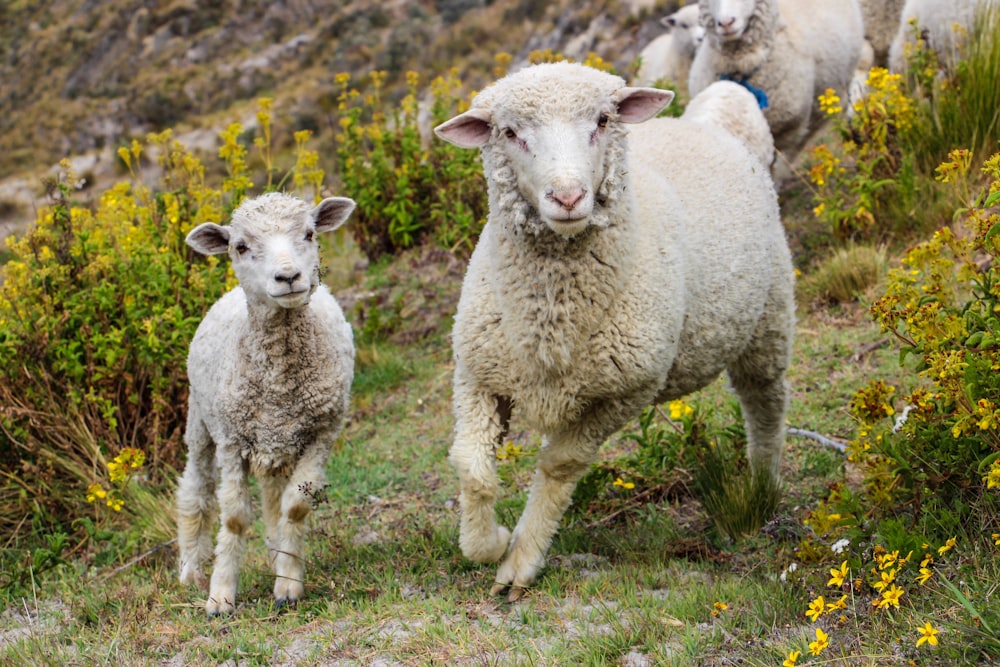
{"points": [[197, 509], [234, 501], [562, 461], [758, 378], [481, 424], [297, 499]]}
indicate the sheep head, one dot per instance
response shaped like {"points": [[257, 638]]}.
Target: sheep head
{"points": [[555, 125], [685, 25], [271, 242], [729, 20]]}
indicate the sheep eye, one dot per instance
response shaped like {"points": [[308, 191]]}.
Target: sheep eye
{"points": [[602, 121], [241, 247], [510, 134], [309, 236]]}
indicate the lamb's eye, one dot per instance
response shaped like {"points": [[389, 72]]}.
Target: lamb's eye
{"points": [[309, 236], [241, 247], [510, 134], [602, 121]]}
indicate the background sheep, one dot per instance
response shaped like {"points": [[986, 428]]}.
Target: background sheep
{"points": [[270, 369], [731, 106], [787, 52], [881, 19], [616, 269], [669, 56], [945, 24]]}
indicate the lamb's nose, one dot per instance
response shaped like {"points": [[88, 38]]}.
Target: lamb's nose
{"points": [[568, 199], [726, 23], [289, 276]]}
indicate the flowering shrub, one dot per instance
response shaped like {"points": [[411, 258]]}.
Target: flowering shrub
{"points": [[97, 307], [409, 189]]}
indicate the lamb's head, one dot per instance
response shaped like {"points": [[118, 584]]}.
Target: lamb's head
{"points": [[685, 25], [271, 242], [552, 135], [729, 20]]}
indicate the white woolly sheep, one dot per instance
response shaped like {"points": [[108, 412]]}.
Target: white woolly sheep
{"points": [[945, 24], [732, 107], [881, 19], [270, 369], [617, 269], [786, 52], [669, 56]]}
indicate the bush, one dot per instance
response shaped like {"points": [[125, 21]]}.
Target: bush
{"points": [[407, 192], [97, 308]]}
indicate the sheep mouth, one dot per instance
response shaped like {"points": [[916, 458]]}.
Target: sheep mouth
{"points": [[291, 297]]}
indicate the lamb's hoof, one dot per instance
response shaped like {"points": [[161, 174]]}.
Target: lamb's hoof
{"points": [[514, 593], [215, 608], [487, 552]]}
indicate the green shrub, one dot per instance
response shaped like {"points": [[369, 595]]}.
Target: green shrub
{"points": [[97, 308], [407, 193]]}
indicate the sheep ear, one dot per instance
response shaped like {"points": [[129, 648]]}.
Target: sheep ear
{"points": [[209, 238], [638, 104], [331, 213], [468, 130]]}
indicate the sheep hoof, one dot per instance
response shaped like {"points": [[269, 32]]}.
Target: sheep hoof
{"points": [[216, 608], [514, 593]]}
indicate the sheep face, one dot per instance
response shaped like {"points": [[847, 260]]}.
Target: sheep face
{"points": [[271, 242], [553, 125], [685, 26], [727, 19]]}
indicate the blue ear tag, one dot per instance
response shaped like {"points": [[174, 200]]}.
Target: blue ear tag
{"points": [[744, 81]]}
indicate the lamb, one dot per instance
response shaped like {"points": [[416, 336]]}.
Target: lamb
{"points": [[945, 24], [270, 368], [669, 56], [734, 108], [617, 269], [786, 52]]}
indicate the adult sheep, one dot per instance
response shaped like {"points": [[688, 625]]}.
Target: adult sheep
{"points": [[270, 368], [944, 24], [669, 56], [617, 269], [786, 52], [732, 107]]}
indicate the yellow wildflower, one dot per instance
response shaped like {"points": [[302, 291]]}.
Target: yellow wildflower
{"points": [[947, 546], [679, 409], [890, 598], [839, 604], [924, 575], [816, 608], [718, 606], [822, 641], [928, 634], [625, 485], [838, 575], [95, 492], [792, 659]]}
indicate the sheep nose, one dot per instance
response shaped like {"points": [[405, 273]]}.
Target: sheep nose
{"points": [[726, 23], [287, 276], [568, 199]]}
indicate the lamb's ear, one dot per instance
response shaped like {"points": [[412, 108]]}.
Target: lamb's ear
{"points": [[331, 213], [467, 130], [209, 238], [638, 104]]}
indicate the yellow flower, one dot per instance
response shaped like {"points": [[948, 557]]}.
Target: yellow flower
{"points": [[816, 608], [839, 604], [792, 659], [838, 574], [95, 492], [625, 485], [718, 606], [885, 578], [829, 102], [996, 539], [115, 504], [928, 634], [680, 409], [890, 598], [924, 575], [822, 641], [947, 546]]}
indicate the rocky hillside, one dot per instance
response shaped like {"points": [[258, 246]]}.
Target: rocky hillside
{"points": [[82, 77]]}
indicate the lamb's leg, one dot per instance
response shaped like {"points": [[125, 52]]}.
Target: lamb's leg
{"points": [[481, 424], [297, 499], [196, 506], [271, 488], [234, 503], [758, 378], [562, 461]]}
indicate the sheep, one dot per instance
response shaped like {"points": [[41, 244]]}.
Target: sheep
{"points": [[786, 52], [881, 19], [617, 269], [270, 370], [669, 56], [944, 24], [734, 108]]}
